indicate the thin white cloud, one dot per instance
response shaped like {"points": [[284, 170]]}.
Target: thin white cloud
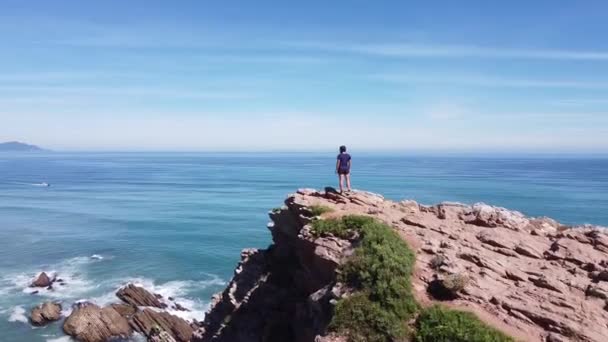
{"points": [[487, 81], [34, 92], [453, 51], [583, 102]]}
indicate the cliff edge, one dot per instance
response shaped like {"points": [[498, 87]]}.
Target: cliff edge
{"points": [[532, 279]]}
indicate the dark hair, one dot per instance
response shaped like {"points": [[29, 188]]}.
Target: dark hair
{"points": [[342, 149]]}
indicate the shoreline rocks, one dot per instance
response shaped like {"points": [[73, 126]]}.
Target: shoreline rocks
{"points": [[149, 322], [140, 311], [91, 323], [45, 313], [138, 296]]}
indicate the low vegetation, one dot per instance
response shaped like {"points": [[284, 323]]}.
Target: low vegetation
{"points": [[318, 210], [437, 324], [455, 282], [383, 303]]}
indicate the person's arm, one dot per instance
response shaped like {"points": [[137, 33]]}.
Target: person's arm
{"points": [[349, 164], [337, 165]]}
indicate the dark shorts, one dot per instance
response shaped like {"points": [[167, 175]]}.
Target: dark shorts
{"points": [[343, 172]]}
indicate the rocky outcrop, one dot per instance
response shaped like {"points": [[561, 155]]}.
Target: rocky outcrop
{"points": [[158, 335], [138, 296], [43, 280], [45, 313], [90, 323], [125, 310], [151, 323], [533, 278], [141, 311]]}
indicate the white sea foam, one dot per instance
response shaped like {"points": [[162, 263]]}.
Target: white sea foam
{"points": [[180, 291], [77, 286], [137, 337], [18, 315], [70, 272], [60, 339]]}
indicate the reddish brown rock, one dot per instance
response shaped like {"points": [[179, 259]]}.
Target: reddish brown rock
{"points": [[533, 278], [90, 323], [138, 296], [45, 313], [158, 335], [150, 323], [125, 310], [42, 280]]}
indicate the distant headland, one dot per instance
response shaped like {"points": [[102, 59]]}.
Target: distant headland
{"points": [[15, 146]]}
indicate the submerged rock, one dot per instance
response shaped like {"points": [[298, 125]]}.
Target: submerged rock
{"points": [[45, 313]]}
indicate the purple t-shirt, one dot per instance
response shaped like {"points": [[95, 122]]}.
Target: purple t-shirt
{"points": [[344, 158]]}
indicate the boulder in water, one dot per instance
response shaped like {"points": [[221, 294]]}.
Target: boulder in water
{"points": [[90, 323], [42, 280], [45, 313]]}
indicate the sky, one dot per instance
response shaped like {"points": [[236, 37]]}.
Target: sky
{"points": [[527, 76]]}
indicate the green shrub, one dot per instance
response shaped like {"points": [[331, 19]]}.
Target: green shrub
{"points": [[362, 320], [455, 282], [437, 324], [318, 210], [382, 265], [342, 228], [333, 227], [380, 269]]}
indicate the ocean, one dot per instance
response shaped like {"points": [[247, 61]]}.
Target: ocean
{"points": [[176, 222]]}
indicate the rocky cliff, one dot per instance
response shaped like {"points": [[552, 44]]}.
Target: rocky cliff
{"points": [[531, 278]]}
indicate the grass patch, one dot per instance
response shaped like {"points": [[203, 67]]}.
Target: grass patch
{"points": [[437, 324], [380, 272], [342, 228], [318, 210], [380, 269], [363, 320]]}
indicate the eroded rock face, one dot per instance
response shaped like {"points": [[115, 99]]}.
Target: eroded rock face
{"points": [[125, 310], [45, 313], [157, 335], [151, 323], [90, 323], [138, 296], [533, 278]]}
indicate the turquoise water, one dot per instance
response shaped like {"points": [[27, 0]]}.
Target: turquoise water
{"points": [[177, 222]]}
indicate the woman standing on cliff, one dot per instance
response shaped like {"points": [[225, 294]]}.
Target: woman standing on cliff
{"points": [[343, 168]]}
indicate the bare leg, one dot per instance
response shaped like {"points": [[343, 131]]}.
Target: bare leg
{"points": [[341, 178], [348, 182]]}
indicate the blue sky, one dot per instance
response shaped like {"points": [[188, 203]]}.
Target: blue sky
{"points": [[527, 76]]}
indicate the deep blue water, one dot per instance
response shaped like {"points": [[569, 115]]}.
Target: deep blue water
{"points": [[177, 222]]}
